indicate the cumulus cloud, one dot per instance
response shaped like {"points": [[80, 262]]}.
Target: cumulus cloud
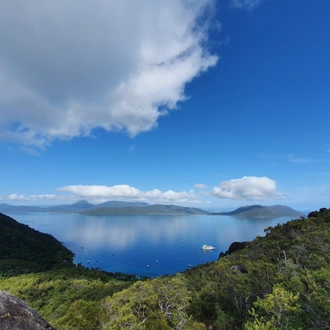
{"points": [[248, 188], [128, 192], [245, 4], [67, 67]]}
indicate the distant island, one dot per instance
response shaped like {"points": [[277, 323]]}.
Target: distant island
{"points": [[117, 208], [259, 211], [156, 209]]}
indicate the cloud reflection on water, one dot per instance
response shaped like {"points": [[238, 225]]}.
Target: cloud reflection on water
{"points": [[129, 243], [120, 232]]}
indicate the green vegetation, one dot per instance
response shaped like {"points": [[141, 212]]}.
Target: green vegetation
{"points": [[24, 250], [286, 286]]}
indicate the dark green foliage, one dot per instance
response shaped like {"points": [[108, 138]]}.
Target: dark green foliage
{"points": [[158, 324], [23, 249]]}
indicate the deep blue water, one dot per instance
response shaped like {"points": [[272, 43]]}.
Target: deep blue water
{"points": [[127, 244]]}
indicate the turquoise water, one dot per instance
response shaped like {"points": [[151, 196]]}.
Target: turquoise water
{"points": [[129, 244]]}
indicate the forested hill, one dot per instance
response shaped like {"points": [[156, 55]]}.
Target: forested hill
{"points": [[259, 211], [280, 281], [23, 249]]}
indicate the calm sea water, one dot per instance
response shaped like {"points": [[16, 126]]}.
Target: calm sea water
{"points": [[129, 244]]}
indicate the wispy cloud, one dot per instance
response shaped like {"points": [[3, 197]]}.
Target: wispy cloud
{"points": [[110, 64], [246, 4], [295, 159], [130, 193], [200, 186], [270, 156], [248, 188], [19, 197], [132, 148], [291, 158], [30, 151]]}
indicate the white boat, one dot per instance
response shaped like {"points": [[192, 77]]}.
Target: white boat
{"points": [[208, 247]]}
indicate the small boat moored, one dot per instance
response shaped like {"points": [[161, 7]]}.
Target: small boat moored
{"points": [[208, 247]]}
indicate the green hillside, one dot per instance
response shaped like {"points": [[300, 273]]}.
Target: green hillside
{"points": [[280, 281], [23, 249]]}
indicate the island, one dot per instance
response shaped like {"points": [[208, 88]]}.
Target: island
{"points": [[118, 208]]}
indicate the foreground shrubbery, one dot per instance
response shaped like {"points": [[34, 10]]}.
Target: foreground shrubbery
{"points": [[64, 295], [285, 285]]}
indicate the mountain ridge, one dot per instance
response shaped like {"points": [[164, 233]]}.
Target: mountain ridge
{"points": [[141, 208], [156, 209]]}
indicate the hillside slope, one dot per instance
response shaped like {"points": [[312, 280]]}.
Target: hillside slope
{"points": [[23, 249]]}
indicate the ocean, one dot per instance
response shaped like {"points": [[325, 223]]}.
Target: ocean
{"points": [[145, 245]]}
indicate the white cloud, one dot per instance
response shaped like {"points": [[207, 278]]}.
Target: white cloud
{"points": [[17, 197], [67, 67], [248, 188], [200, 186], [130, 193], [245, 4]]}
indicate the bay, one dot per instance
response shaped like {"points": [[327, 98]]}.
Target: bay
{"points": [[145, 245]]}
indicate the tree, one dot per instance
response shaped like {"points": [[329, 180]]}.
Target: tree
{"points": [[278, 310], [162, 299]]}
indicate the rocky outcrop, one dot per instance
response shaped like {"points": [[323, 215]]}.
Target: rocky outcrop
{"points": [[315, 214], [238, 268], [15, 314], [235, 246]]}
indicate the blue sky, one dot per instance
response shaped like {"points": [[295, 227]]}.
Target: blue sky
{"points": [[212, 104]]}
